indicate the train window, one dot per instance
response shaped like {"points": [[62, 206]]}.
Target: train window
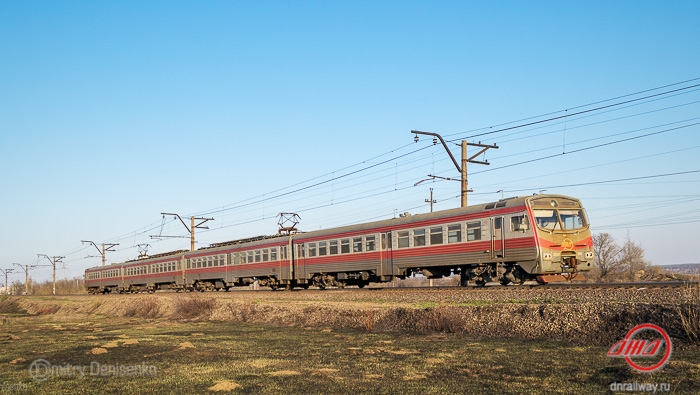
{"points": [[369, 243], [357, 244], [210, 261], [265, 255], [251, 257], [273, 254], [322, 248], [546, 219], [216, 261], [300, 251], [312, 249], [333, 247], [258, 255], [473, 231], [572, 219], [436, 235], [403, 239], [497, 222], [345, 246], [519, 222], [454, 233], [236, 258], [419, 237], [283, 252]]}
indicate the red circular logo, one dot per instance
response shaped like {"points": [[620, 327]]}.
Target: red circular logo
{"points": [[629, 347]]}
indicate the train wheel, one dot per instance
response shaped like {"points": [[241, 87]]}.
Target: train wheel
{"points": [[479, 282]]}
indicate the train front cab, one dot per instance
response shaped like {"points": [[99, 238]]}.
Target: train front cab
{"points": [[563, 236]]}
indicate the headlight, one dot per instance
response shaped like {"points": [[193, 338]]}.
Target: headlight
{"points": [[589, 255], [547, 255]]}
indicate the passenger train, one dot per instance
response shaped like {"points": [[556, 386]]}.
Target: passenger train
{"points": [[513, 240]]}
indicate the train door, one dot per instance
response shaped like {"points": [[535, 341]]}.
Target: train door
{"points": [[286, 259], [183, 271], [299, 262], [498, 238], [386, 257]]}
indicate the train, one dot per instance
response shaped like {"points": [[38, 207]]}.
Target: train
{"points": [[513, 240]]}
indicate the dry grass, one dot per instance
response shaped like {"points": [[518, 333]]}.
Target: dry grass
{"points": [[147, 307], [368, 319], [193, 307], [689, 312], [10, 305], [446, 319]]}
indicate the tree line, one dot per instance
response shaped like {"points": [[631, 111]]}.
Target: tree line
{"points": [[624, 261], [63, 287]]}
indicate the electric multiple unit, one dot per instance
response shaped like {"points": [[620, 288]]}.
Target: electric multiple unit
{"points": [[537, 237]]}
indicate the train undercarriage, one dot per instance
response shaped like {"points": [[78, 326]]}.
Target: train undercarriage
{"points": [[473, 274]]}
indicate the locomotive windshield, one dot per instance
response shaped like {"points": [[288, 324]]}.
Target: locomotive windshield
{"points": [[553, 219]]}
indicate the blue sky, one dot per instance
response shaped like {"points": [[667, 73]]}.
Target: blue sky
{"points": [[113, 112]]}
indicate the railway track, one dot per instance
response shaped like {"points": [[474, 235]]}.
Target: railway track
{"points": [[560, 285]]}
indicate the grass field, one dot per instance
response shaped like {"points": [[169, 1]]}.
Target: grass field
{"points": [[210, 357]]}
